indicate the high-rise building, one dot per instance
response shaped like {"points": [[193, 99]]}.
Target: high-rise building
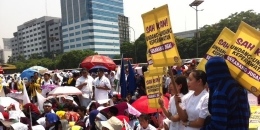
{"points": [[123, 24], [91, 24], [5, 51], [38, 36]]}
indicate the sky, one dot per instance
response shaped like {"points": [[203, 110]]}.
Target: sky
{"points": [[183, 18]]}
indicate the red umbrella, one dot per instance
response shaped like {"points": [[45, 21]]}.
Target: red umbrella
{"points": [[142, 106], [98, 60]]}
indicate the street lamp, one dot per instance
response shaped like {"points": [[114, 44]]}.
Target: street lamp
{"points": [[196, 3], [134, 43]]}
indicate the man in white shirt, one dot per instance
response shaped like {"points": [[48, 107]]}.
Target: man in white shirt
{"points": [[85, 84], [102, 86]]}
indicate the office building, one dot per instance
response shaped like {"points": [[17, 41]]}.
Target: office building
{"points": [[38, 36], [186, 34], [91, 24], [123, 24], [5, 51]]}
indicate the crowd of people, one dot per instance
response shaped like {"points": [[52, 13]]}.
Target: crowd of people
{"points": [[210, 100]]}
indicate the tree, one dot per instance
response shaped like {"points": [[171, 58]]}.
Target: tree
{"points": [[117, 57], [73, 58]]}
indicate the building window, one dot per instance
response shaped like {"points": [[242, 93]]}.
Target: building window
{"points": [[72, 40], [76, 27], [64, 30], [78, 45], [43, 26], [51, 35], [43, 31], [56, 34], [66, 47], [71, 34], [77, 33], [56, 28], [57, 44], [78, 39], [44, 47], [52, 45], [71, 28], [72, 46], [51, 29]]}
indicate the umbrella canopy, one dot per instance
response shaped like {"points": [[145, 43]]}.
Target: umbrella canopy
{"points": [[40, 69], [7, 101], [141, 105], [98, 60], [65, 90], [122, 107], [95, 69], [28, 73]]}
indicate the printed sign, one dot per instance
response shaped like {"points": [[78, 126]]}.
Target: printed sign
{"points": [[219, 47], [159, 37], [153, 85], [243, 58], [154, 71]]}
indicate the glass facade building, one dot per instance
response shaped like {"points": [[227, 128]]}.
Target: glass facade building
{"points": [[91, 24]]}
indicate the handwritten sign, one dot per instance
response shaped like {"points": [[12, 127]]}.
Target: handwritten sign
{"points": [[159, 37], [243, 58], [219, 47]]}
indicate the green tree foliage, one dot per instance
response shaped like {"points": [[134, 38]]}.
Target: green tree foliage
{"points": [[67, 60]]}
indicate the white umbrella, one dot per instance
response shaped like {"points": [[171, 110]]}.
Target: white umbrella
{"points": [[7, 101], [65, 90], [40, 69]]}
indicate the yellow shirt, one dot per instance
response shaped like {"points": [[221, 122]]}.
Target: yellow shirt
{"points": [[35, 86]]}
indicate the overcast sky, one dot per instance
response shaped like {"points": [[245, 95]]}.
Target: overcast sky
{"points": [[16, 12]]}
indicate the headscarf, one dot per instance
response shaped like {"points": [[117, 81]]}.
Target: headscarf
{"points": [[92, 116], [52, 118], [33, 108]]}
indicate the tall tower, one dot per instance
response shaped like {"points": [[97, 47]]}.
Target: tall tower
{"points": [[91, 24]]}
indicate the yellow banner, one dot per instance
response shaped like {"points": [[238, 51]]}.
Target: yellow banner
{"points": [[243, 58], [153, 85], [154, 71], [219, 47], [159, 37], [254, 120]]}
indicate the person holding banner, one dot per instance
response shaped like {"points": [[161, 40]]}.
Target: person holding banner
{"points": [[171, 113], [194, 110], [228, 101]]}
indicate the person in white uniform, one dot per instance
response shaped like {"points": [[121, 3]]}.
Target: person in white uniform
{"points": [[171, 112], [195, 109], [85, 85], [102, 86]]}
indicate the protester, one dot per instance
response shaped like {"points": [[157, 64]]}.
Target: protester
{"points": [[51, 121], [35, 85], [228, 101], [171, 112], [85, 84], [194, 111], [144, 123], [102, 86]]}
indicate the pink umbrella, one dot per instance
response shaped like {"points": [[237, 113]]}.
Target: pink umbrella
{"points": [[122, 107], [48, 87]]}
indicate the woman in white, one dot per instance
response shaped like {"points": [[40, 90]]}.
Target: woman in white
{"points": [[171, 113], [112, 79], [57, 79], [195, 109]]}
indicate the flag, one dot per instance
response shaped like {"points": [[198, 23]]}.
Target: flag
{"points": [[25, 95], [127, 126], [131, 79], [2, 92], [122, 79], [40, 100]]}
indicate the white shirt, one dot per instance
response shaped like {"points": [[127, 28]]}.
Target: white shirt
{"points": [[150, 127], [167, 82], [87, 89], [101, 94], [196, 107], [47, 82]]}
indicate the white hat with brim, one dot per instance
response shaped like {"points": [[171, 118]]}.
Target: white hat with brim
{"points": [[6, 123], [112, 124], [69, 98], [19, 126], [103, 101]]}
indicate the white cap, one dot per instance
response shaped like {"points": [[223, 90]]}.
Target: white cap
{"points": [[103, 101], [69, 98]]}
